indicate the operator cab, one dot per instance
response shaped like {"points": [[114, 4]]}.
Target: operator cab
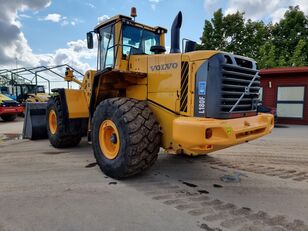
{"points": [[24, 90], [120, 37]]}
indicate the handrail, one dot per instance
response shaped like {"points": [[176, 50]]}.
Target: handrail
{"points": [[22, 71]]}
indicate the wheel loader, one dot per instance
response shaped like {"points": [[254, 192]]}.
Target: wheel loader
{"points": [[30, 93], [141, 99]]}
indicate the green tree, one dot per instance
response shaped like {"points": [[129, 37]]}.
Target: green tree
{"points": [[267, 55], [282, 44], [232, 33], [213, 33], [282, 61], [288, 32], [234, 25], [299, 55], [256, 34]]}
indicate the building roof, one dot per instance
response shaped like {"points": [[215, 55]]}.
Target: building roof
{"points": [[284, 70]]}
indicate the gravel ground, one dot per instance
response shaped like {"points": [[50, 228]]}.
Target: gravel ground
{"points": [[261, 185]]}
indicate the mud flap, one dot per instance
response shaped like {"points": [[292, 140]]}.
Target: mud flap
{"points": [[35, 121]]}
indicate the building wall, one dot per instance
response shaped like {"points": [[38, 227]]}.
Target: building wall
{"points": [[287, 79]]}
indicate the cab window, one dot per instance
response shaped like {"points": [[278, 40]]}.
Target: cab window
{"points": [[138, 40], [106, 46], [18, 90], [40, 89]]}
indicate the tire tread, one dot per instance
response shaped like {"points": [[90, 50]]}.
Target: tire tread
{"points": [[62, 138], [142, 128]]}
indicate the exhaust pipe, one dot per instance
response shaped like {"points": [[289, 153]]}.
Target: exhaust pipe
{"points": [[175, 34]]}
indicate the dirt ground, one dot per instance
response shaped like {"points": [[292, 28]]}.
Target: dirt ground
{"points": [[261, 185]]}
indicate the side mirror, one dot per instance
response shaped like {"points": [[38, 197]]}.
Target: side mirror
{"points": [[90, 40]]}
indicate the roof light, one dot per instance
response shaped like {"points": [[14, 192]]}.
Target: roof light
{"points": [[133, 12]]}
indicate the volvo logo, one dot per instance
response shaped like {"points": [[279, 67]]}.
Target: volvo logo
{"points": [[164, 67]]}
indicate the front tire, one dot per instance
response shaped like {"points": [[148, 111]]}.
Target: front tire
{"points": [[125, 137], [9, 117], [58, 134]]}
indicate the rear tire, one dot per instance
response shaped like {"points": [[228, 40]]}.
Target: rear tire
{"points": [[134, 141], [9, 117], [58, 134]]}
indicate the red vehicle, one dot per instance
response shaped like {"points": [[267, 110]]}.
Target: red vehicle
{"points": [[9, 109]]}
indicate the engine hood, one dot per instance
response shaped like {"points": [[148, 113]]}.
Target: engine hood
{"points": [[200, 55]]}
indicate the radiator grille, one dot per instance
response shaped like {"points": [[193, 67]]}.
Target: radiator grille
{"points": [[184, 86], [235, 80]]}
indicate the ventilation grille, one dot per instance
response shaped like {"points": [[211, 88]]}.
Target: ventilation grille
{"points": [[184, 86], [235, 79]]}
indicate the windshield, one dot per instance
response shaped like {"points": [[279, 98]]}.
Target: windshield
{"points": [[138, 41], [25, 89], [29, 89], [40, 89]]}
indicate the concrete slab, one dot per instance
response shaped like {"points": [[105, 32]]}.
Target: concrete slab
{"points": [[42, 188]]}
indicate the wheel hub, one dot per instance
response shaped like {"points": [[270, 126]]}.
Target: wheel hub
{"points": [[52, 119], [113, 138], [109, 139]]}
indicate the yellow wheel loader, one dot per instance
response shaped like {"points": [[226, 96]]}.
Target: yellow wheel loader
{"points": [[30, 93], [141, 98]]}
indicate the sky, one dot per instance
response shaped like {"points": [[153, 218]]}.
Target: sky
{"points": [[50, 32]]}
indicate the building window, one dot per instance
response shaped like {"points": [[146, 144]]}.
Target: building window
{"points": [[290, 102]]}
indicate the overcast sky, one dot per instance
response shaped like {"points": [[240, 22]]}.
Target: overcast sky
{"points": [[48, 32]]}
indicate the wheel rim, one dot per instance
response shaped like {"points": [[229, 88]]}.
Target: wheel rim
{"points": [[109, 139], [52, 121]]}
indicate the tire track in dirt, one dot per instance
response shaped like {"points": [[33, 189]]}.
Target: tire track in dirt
{"points": [[281, 172], [213, 214]]}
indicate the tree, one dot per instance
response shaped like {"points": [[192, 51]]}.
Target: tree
{"points": [[288, 33], [232, 34], [256, 35], [234, 25], [282, 44], [299, 56], [213, 33], [267, 55], [282, 61]]}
